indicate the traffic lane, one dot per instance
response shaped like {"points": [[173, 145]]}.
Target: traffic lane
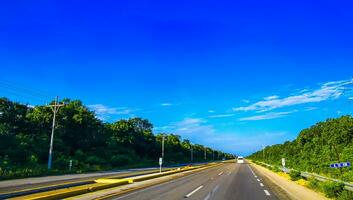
{"points": [[32, 187], [192, 186], [239, 182], [247, 185], [217, 187]]}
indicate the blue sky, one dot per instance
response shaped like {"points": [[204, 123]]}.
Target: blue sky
{"points": [[231, 75]]}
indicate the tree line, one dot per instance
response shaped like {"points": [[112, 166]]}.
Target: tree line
{"points": [[90, 143], [315, 149]]}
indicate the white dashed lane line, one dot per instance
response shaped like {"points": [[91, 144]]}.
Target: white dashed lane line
{"points": [[258, 180], [220, 173], [267, 193], [194, 191]]}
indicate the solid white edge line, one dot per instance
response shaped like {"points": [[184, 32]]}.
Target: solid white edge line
{"points": [[267, 193], [193, 192], [262, 185]]}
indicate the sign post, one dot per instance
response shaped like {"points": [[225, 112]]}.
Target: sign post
{"points": [[160, 164]]}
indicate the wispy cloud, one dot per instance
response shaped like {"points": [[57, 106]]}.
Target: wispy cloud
{"points": [[211, 111], [327, 91], [103, 112], [166, 104], [273, 97], [221, 116], [271, 115], [310, 108], [245, 101], [199, 131]]}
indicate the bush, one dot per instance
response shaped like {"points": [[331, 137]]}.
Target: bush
{"points": [[295, 175], [332, 189], [313, 183], [121, 160], [345, 195]]}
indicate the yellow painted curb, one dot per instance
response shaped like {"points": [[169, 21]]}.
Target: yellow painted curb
{"points": [[102, 184], [110, 180]]}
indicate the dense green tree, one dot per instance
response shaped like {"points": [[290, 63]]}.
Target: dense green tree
{"points": [[316, 148], [81, 137]]}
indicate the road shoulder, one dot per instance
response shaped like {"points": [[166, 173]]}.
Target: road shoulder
{"points": [[287, 189]]}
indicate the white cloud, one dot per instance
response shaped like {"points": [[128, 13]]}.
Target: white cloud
{"points": [[327, 91], [198, 131], [103, 112], [211, 111], [310, 108], [271, 97], [221, 116], [245, 101], [272, 115], [166, 104]]}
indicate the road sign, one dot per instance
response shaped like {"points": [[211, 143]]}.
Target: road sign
{"points": [[339, 165], [160, 164], [283, 162]]}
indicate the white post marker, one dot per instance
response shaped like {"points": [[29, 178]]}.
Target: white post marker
{"points": [[70, 165], [283, 162], [160, 164]]}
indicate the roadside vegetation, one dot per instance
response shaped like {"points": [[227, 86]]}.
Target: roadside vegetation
{"points": [[313, 151], [80, 136]]}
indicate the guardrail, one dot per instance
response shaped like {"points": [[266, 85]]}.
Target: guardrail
{"points": [[347, 185]]}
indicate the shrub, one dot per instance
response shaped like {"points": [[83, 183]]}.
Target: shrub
{"points": [[345, 195], [313, 183], [295, 175], [120, 160], [332, 189]]}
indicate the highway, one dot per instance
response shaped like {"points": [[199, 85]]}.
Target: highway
{"points": [[11, 188], [226, 182]]}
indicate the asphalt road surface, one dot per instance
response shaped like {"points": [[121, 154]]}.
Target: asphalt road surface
{"points": [[227, 182]]}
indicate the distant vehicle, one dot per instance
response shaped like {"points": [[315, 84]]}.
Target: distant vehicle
{"points": [[240, 160]]}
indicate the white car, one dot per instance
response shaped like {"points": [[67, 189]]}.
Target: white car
{"points": [[240, 160]]}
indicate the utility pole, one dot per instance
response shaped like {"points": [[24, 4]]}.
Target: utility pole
{"points": [[205, 153], [55, 108], [263, 153], [162, 146], [212, 154], [191, 154]]}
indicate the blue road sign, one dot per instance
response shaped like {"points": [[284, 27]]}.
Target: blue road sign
{"points": [[339, 165]]}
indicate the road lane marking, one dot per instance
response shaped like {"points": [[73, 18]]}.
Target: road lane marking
{"points": [[220, 173], [193, 192], [215, 189], [211, 193], [229, 173], [267, 193], [255, 176], [258, 180], [262, 185]]}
